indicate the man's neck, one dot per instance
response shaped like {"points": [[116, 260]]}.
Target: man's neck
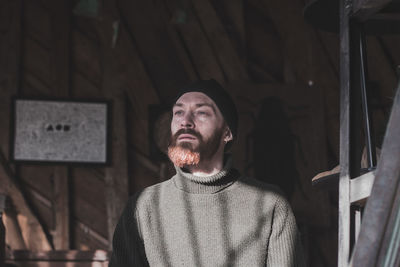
{"points": [[208, 167]]}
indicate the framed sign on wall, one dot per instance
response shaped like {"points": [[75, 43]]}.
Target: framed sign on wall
{"points": [[60, 131]]}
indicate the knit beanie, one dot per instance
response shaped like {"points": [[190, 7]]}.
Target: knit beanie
{"points": [[221, 98]]}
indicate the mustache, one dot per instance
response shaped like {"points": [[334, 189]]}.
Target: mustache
{"points": [[187, 131]]}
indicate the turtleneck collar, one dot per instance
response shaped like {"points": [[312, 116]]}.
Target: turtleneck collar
{"points": [[205, 184]]}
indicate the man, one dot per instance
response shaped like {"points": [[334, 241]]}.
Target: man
{"points": [[207, 214]]}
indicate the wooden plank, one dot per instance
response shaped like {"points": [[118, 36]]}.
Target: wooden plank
{"points": [[198, 46], [234, 20], [31, 227], [228, 57], [57, 264], [131, 75], [37, 22], [60, 13], [83, 87], [37, 61], [116, 176], [10, 51], [86, 231], [86, 58], [345, 135], [59, 255], [264, 47], [360, 187], [310, 66], [144, 21]]}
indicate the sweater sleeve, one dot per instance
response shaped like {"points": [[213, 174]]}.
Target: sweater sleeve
{"points": [[128, 247], [284, 249]]}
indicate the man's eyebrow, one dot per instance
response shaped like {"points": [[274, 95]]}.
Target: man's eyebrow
{"points": [[178, 105], [207, 105], [197, 105]]}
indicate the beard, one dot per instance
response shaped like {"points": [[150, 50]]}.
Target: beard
{"points": [[189, 154]]}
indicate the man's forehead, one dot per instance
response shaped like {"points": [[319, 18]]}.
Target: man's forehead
{"points": [[195, 98]]}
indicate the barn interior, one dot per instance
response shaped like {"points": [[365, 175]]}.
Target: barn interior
{"points": [[287, 66]]}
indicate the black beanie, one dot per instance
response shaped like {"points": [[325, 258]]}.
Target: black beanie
{"points": [[221, 98]]}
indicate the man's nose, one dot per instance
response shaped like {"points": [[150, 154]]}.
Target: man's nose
{"points": [[187, 121]]}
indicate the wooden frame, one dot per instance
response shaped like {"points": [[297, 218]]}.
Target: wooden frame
{"points": [[60, 131]]}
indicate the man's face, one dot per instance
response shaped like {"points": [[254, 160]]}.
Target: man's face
{"points": [[197, 126]]}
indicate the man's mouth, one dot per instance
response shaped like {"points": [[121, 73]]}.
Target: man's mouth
{"points": [[186, 137]]}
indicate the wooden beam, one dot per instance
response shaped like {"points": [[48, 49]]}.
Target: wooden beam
{"points": [[345, 136], [310, 65], [116, 176], [10, 63], [232, 66], [146, 25], [201, 52], [31, 227], [60, 12], [68, 255]]}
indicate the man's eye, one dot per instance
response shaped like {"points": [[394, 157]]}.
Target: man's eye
{"points": [[178, 112], [203, 113]]}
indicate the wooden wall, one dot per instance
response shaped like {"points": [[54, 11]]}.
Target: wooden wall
{"points": [[139, 53]]}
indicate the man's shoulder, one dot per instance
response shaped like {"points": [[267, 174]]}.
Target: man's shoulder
{"points": [[149, 194]]}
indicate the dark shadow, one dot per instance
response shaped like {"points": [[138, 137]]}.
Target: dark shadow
{"points": [[274, 147]]}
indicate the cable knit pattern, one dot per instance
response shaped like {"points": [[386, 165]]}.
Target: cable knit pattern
{"points": [[219, 220]]}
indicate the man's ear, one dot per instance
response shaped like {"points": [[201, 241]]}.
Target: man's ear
{"points": [[228, 135]]}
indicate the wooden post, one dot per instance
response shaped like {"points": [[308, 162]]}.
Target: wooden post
{"points": [[116, 176], [60, 74], [344, 180], [10, 34], [228, 57]]}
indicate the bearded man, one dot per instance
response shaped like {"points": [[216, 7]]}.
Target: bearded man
{"points": [[207, 214]]}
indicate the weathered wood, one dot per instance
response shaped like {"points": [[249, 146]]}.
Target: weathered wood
{"points": [[10, 50], [116, 176], [198, 46], [65, 255], [89, 203], [344, 180], [61, 208], [264, 48], [14, 238], [234, 22], [57, 264], [37, 61], [360, 187], [32, 229], [37, 22], [87, 231], [86, 58], [144, 21], [228, 57], [310, 64], [60, 81]]}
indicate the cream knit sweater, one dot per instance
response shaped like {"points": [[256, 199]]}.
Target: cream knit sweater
{"points": [[220, 220]]}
